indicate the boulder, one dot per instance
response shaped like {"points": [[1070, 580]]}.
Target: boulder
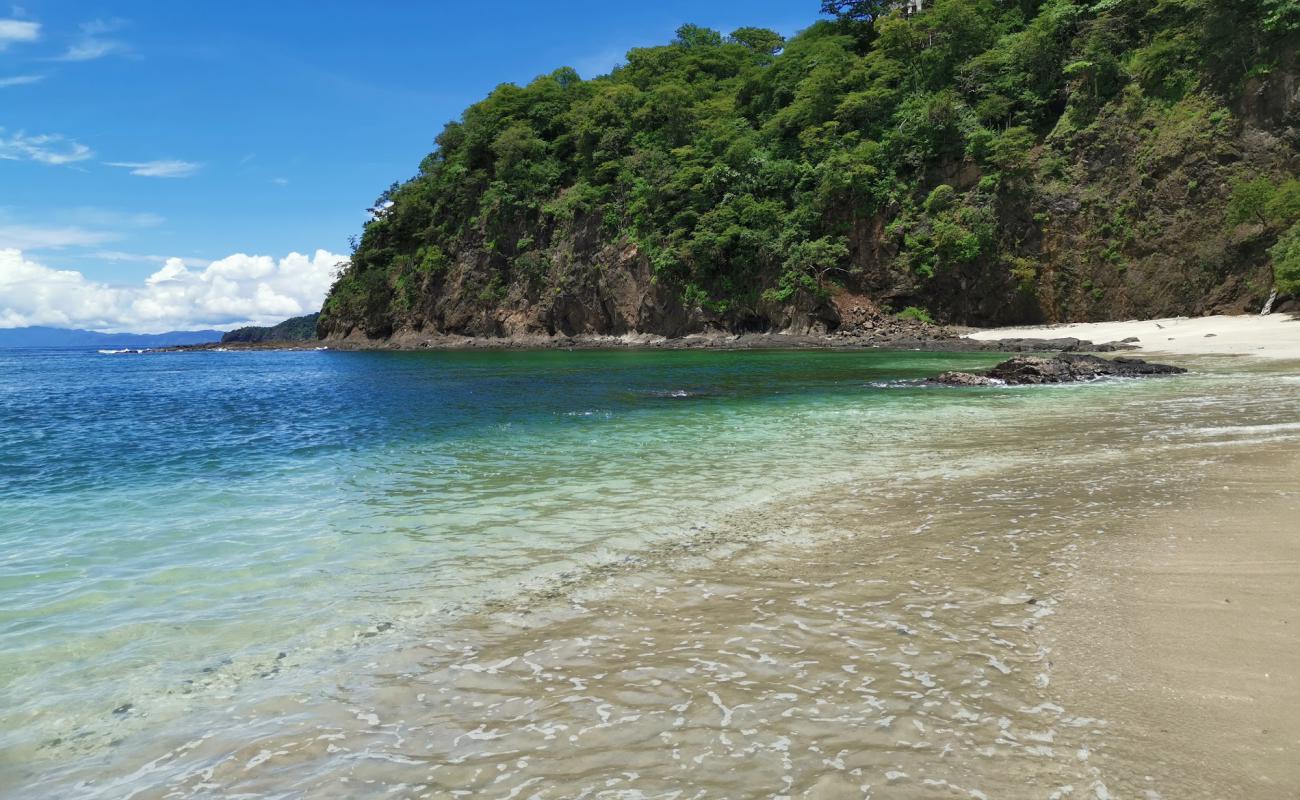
{"points": [[965, 379], [1062, 368]]}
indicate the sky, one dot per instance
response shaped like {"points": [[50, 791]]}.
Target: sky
{"points": [[171, 166]]}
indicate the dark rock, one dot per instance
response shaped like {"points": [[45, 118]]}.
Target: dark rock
{"points": [[124, 708], [1067, 344], [1062, 368], [965, 379]]}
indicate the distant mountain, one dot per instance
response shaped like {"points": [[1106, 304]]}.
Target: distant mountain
{"points": [[64, 337], [298, 329]]}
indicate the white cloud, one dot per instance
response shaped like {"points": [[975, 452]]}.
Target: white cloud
{"points": [[105, 217], [89, 50], [239, 289], [17, 30], [71, 227], [159, 169], [118, 256], [48, 237], [46, 148], [92, 45], [20, 80]]}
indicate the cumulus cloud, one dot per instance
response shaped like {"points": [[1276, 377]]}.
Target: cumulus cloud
{"points": [[17, 30], [236, 290], [46, 148], [20, 80], [159, 169]]}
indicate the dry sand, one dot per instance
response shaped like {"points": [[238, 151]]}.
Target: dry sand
{"points": [[1276, 336]]}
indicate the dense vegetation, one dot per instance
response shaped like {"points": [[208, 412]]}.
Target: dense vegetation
{"points": [[295, 329], [981, 160]]}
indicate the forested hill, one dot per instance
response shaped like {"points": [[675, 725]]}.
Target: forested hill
{"points": [[295, 329], [986, 161]]}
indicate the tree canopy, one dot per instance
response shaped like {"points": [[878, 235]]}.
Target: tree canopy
{"points": [[742, 165]]}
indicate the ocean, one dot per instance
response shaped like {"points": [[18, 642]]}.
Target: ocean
{"points": [[207, 558]]}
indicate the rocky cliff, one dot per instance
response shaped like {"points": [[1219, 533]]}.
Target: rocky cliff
{"points": [[978, 162]]}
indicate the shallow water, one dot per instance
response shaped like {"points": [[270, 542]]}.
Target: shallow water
{"points": [[336, 574]]}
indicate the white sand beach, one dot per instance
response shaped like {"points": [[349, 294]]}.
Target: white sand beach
{"points": [[1276, 336]]}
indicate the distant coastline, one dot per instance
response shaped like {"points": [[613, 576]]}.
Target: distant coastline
{"points": [[37, 336]]}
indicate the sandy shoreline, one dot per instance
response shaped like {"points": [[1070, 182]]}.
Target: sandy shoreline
{"points": [[989, 619], [1186, 632], [1276, 336]]}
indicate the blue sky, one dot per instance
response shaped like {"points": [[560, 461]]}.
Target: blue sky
{"points": [[133, 133]]}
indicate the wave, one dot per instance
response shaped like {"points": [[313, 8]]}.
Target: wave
{"points": [[1247, 430]]}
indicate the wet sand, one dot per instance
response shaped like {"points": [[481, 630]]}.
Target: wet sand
{"points": [[1186, 634], [1029, 611]]}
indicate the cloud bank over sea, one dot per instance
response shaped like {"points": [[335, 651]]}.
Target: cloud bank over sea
{"points": [[236, 290]]}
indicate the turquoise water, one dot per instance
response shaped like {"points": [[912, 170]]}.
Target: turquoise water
{"points": [[174, 524], [257, 574]]}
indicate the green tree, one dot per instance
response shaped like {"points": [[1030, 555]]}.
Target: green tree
{"points": [[740, 167], [857, 10], [1264, 202], [1286, 261], [760, 40], [1250, 201]]}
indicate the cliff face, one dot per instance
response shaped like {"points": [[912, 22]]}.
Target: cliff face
{"points": [[1060, 165], [1142, 231], [587, 286]]}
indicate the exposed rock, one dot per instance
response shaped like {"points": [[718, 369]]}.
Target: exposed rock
{"points": [[1067, 344], [1062, 368], [966, 379], [886, 332]]}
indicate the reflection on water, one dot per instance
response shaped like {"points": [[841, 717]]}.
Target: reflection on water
{"points": [[875, 628]]}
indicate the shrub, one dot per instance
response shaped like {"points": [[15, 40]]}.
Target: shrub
{"points": [[916, 313], [941, 199]]}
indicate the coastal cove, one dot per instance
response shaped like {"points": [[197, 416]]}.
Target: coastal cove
{"points": [[554, 570], [854, 400]]}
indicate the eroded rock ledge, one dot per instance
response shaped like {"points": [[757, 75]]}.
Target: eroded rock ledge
{"points": [[1062, 368]]}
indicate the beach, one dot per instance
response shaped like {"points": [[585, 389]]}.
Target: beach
{"points": [[1186, 630], [1008, 592], [1276, 336], [872, 399], [1191, 622]]}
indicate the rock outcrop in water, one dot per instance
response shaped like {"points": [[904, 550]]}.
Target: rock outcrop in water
{"points": [[1062, 368]]}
